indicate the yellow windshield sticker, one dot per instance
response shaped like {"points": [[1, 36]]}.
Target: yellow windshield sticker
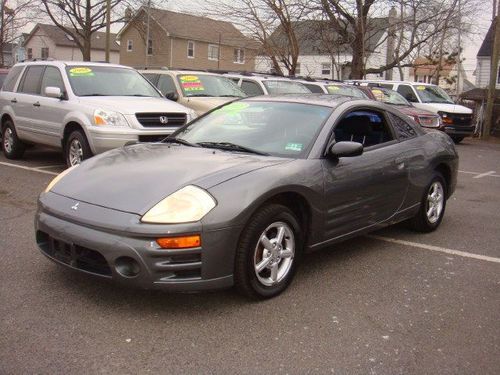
{"points": [[191, 83], [332, 88], [421, 88], [379, 95], [81, 71]]}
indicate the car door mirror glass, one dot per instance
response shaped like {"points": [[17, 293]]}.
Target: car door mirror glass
{"points": [[345, 149], [53, 92]]}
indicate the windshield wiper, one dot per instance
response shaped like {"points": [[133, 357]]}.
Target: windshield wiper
{"points": [[139, 95], [231, 147], [96, 94], [179, 141], [230, 96], [194, 95]]}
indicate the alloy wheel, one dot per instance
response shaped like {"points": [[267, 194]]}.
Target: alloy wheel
{"points": [[274, 253], [435, 202], [8, 141], [75, 152]]}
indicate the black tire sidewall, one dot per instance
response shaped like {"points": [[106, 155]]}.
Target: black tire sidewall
{"points": [[77, 134], [257, 224]]}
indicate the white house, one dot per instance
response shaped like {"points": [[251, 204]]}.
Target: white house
{"points": [[483, 65], [49, 41]]}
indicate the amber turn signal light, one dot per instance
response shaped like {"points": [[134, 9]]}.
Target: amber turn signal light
{"points": [[181, 242]]}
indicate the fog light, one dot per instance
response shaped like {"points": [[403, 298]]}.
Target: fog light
{"points": [[180, 242], [127, 267]]}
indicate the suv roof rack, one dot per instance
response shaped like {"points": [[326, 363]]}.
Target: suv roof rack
{"points": [[150, 67], [38, 59]]}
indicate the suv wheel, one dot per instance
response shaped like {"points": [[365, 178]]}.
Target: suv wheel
{"points": [[77, 148], [268, 252], [13, 148]]}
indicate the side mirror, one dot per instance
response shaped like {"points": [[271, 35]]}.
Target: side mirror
{"points": [[172, 96], [345, 149], [53, 92]]}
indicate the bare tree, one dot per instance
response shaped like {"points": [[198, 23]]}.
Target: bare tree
{"points": [[81, 18], [14, 17]]}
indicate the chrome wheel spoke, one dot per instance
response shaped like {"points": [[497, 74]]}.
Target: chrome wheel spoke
{"points": [[286, 253], [280, 235], [274, 272], [263, 264], [265, 242]]}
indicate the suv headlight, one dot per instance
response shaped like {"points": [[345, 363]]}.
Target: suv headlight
{"points": [[186, 205], [109, 118]]}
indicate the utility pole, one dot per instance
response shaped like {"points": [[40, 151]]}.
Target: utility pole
{"points": [[459, 47], [108, 28], [148, 10], [490, 99]]}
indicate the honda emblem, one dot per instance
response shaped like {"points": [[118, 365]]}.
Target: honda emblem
{"points": [[163, 120]]}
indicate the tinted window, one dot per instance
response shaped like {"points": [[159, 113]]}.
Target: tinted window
{"points": [[31, 80], [11, 79], [407, 93], [152, 77], [346, 91], [277, 128], [251, 88], [278, 87], [402, 128], [166, 84], [314, 88], [366, 127], [52, 78]]}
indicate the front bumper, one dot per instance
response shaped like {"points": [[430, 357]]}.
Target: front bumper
{"points": [[458, 130], [130, 256]]}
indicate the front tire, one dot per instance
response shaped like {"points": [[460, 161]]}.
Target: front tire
{"points": [[432, 206], [457, 140], [77, 148], [13, 147], [268, 252]]}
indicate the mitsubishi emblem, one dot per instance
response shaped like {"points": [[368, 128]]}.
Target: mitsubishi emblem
{"points": [[164, 120], [75, 207]]}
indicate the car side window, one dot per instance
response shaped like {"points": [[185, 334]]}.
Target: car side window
{"points": [[166, 84], [152, 77], [314, 88], [30, 83], [251, 88], [402, 128], [367, 127], [52, 78], [11, 79], [407, 93]]}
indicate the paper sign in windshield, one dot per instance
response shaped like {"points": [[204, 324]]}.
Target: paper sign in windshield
{"points": [[294, 147], [81, 72], [191, 83], [421, 88]]}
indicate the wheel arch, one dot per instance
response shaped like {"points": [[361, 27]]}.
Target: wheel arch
{"points": [[445, 171], [68, 129], [5, 117]]}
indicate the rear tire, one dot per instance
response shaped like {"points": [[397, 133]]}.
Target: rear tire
{"points": [[432, 206], [13, 147], [457, 140], [77, 148], [268, 252]]}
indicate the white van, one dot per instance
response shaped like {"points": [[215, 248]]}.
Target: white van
{"points": [[457, 119]]}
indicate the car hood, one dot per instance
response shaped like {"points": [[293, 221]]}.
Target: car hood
{"points": [[129, 105], [444, 107], [134, 178], [201, 105]]}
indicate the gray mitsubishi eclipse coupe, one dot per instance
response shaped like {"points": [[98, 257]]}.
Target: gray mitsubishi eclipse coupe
{"points": [[239, 195]]}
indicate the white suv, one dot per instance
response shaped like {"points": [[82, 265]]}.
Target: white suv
{"points": [[457, 119], [82, 108]]}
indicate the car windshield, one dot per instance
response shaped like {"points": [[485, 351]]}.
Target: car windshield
{"points": [[389, 97], [209, 85], [275, 128], [93, 80], [433, 94], [346, 91], [277, 87]]}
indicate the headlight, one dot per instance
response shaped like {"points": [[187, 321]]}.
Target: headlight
{"points": [[58, 178], [111, 118], [188, 204]]}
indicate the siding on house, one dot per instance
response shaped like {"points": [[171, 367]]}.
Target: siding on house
{"points": [[483, 68]]}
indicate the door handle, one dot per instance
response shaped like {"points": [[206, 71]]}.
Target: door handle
{"points": [[14, 100], [37, 104]]}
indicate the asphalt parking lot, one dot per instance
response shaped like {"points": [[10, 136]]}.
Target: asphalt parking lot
{"points": [[395, 302]]}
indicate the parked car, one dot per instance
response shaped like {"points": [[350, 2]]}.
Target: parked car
{"points": [[422, 117], [82, 108], [254, 84], [238, 195], [457, 119], [333, 87], [200, 91]]}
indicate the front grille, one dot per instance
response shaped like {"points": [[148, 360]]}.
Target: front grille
{"points": [[74, 255], [161, 120], [460, 119]]}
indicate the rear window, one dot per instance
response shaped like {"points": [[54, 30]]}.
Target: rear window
{"points": [[277, 87], [346, 90], [11, 79]]}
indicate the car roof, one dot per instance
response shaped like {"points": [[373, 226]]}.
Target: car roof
{"points": [[183, 72], [259, 77], [63, 64], [326, 100], [382, 81]]}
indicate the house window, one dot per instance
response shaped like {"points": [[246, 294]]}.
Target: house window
{"points": [[498, 76], [129, 45], [45, 53], [190, 52], [326, 69], [297, 69], [150, 47], [239, 56], [30, 53], [213, 52]]}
